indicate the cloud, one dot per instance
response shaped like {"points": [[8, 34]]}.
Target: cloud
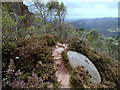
{"points": [[89, 0], [80, 9], [92, 9]]}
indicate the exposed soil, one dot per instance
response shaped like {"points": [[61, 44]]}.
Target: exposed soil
{"points": [[62, 72]]}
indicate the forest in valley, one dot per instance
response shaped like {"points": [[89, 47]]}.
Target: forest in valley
{"points": [[107, 26], [29, 41]]}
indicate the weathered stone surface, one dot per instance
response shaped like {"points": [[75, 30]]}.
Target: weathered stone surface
{"points": [[78, 59]]}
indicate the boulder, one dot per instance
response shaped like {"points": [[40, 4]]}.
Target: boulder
{"points": [[78, 59]]}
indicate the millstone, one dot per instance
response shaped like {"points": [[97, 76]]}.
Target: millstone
{"points": [[78, 59]]}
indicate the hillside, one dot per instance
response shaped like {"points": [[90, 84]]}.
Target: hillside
{"points": [[41, 50], [100, 24]]}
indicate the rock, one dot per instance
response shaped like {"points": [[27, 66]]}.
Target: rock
{"points": [[78, 59], [17, 57], [65, 46], [40, 62], [60, 45]]}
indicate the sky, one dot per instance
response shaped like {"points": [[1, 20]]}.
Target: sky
{"points": [[86, 9], [91, 9]]}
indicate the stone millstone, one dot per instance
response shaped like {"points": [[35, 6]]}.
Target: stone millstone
{"points": [[78, 59]]}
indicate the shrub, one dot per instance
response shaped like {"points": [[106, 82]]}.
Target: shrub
{"points": [[35, 56], [21, 42], [8, 48], [65, 59], [79, 77], [106, 65], [39, 72], [25, 75], [34, 51], [51, 39]]}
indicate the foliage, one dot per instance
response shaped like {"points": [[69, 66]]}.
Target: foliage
{"points": [[7, 20], [30, 48], [79, 77], [102, 25], [66, 61], [100, 43], [106, 65], [15, 20], [8, 25], [51, 12], [51, 39], [92, 35], [34, 57], [25, 75], [8, 48]]}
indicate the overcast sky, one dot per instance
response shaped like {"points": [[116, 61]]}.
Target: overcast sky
{"points": [[91, 9]]}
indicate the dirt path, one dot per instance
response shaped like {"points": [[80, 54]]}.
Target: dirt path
{"points": [[62, 73]]}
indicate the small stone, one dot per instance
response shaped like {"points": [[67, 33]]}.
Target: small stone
{"points": [[17, 57], [40, 62]]}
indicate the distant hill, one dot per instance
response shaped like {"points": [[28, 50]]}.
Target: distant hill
{"points": [[102, 25]]}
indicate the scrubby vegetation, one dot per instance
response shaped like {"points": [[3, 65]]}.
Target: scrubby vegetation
{"points": [[106, 65], [79, 78], [33, 62], [28, 40]]}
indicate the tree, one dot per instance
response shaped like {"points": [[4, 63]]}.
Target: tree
{"points": [[8, 24], [58, 12], [52, 11], [41, 10], [16, 18], [92, 35]]}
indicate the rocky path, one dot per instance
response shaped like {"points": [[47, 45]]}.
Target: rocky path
{"points": [[62, 73]]}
